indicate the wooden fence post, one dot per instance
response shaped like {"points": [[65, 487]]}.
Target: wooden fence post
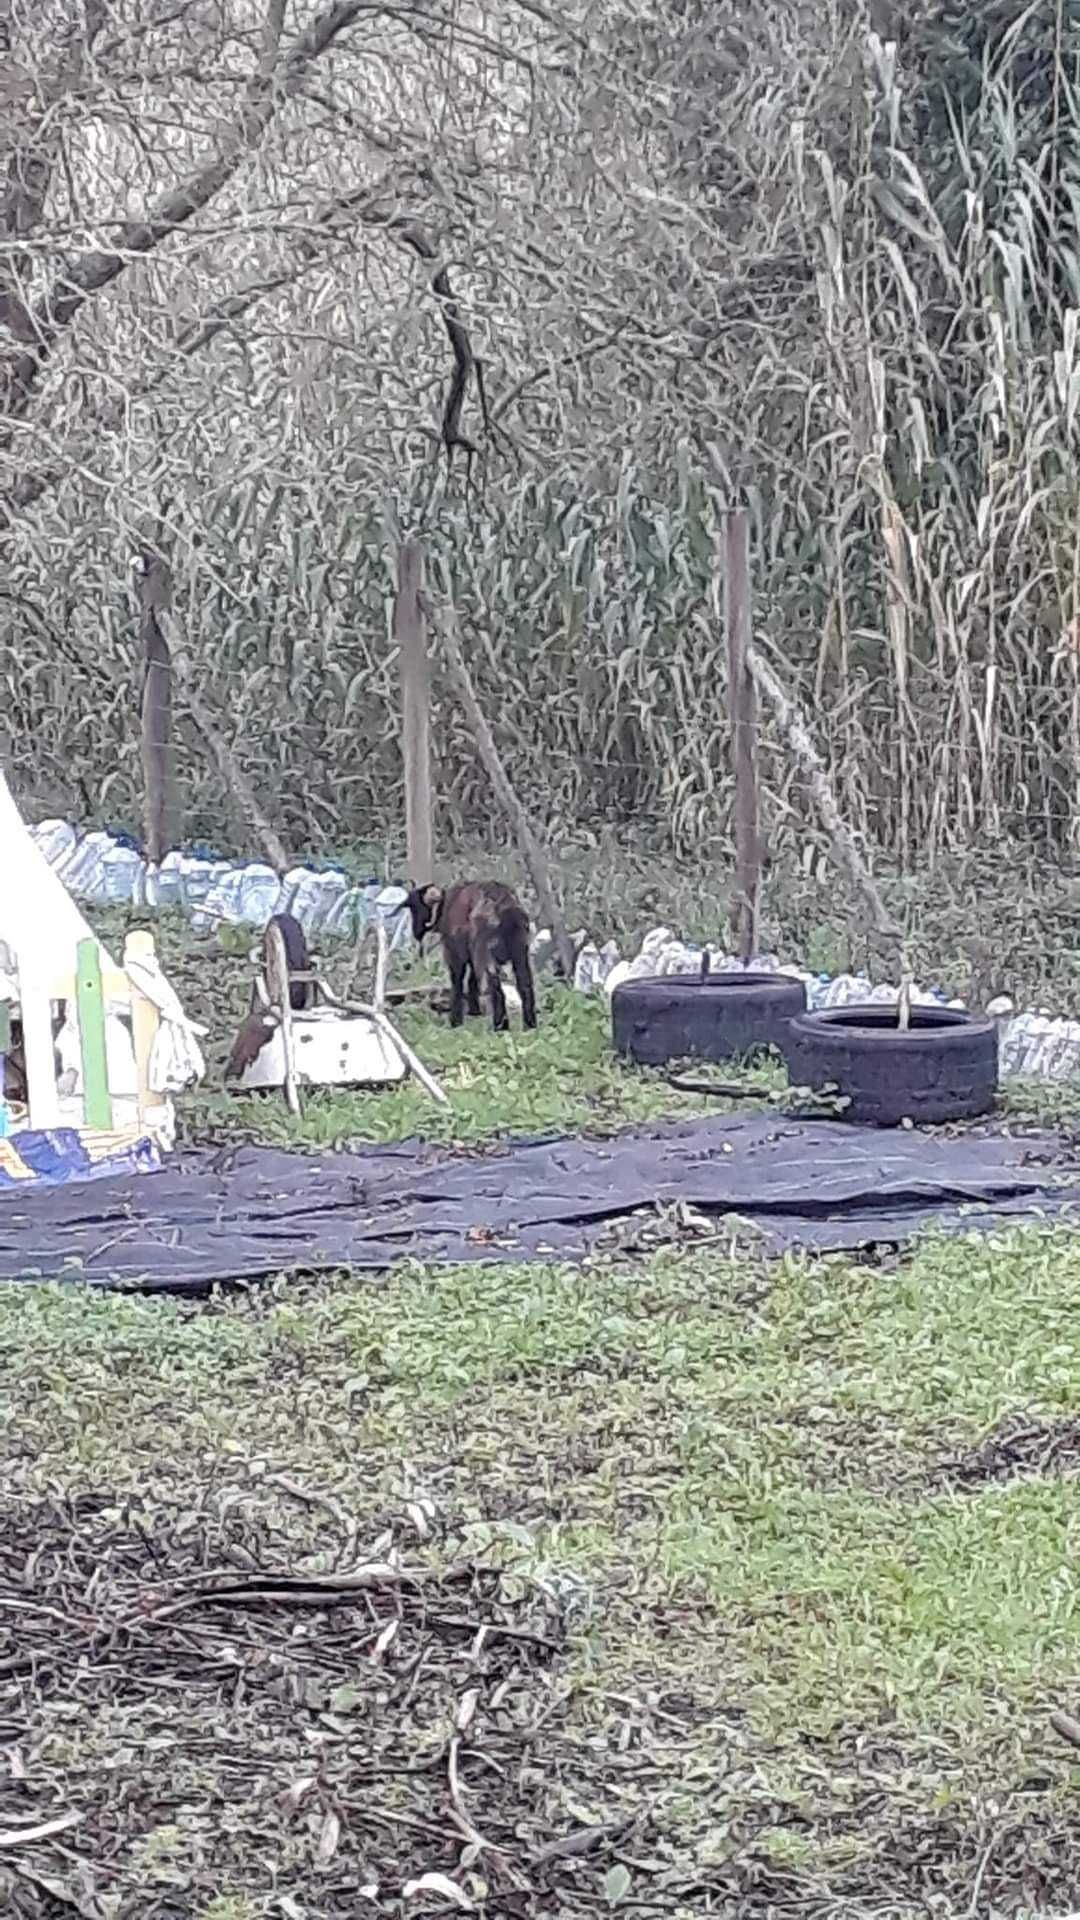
{"points": [[410, 633], [742, 701], [157, 705]]}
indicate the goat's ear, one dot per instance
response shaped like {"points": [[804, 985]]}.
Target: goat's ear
{"points": [[432, 896]]}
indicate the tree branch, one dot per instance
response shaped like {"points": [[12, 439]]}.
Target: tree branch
{"points": [[241, 789], [466, 365], [196, 336], [444, 619], [806, 758], [33, 153], [54, 313]]}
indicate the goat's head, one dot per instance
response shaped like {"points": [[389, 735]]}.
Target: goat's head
{"points": [[424, 905]]}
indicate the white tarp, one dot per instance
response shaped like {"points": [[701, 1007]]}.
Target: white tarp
{"points": [[39, 921], [41, 927]]}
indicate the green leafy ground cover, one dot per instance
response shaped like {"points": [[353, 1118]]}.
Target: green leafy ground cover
{"points": [[692, 1586]]}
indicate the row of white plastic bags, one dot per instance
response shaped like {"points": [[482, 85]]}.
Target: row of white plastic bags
{"points": [[98, 867]]}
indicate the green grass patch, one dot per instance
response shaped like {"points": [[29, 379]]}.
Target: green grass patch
{"points": [[728, 1475], [793, 1637], [760, 1443], [562, 1078]]}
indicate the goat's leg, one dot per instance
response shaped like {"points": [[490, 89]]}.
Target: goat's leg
{"points": [[472, 993], [523, 978], [457, 963], [486, 967], [500, 1019]]}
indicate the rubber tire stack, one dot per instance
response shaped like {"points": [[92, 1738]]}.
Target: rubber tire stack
{"points": [[725, 1016], [945, 1067]]}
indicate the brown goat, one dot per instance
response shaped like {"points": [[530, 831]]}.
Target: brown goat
{"points": [[483, 926]]}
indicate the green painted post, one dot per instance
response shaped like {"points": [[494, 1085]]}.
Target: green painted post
{"points": [[90, 1000]]}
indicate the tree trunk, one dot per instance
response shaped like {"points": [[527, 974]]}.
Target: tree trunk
{"points": [[411, 636], [154, 597]]}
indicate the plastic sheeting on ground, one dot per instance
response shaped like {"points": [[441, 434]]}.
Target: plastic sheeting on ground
{"points": [[242, 1213]]}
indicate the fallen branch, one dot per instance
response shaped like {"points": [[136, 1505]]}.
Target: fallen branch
{"points": [[232, 773], [497, 1631], [470, 1833], [721, 1089], [1064, 1724], [25, 1836], [335, 1590], [810, 764]]}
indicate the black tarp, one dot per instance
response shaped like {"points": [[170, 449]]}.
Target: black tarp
{"points": [[238, 1214]]}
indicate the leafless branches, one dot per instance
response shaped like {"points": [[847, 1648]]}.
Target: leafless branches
{"points": [[276, 79], [682, 248]]}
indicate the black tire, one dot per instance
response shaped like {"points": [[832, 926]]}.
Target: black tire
{"points": [[726, 1016], [945, 1067]]}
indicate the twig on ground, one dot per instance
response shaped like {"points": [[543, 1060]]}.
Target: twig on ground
{"points": [[25, 1836], [1065, 1724]]}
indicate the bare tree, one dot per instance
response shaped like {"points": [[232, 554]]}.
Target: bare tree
{"points": [[210, 203], [257, 259]]}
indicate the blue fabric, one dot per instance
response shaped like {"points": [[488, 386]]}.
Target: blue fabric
{"points": [[56, 1157]]}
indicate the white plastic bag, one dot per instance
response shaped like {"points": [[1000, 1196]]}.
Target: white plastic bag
{"points": [[313, 896], [57, 840]]}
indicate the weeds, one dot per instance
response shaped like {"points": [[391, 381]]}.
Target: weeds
{"points": [[787, 1647]]}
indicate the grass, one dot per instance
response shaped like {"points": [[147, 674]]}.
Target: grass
{"points": [[735, 1482], [804, 1536], [561, 1078]]}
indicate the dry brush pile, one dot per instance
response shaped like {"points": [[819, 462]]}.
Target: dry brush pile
{"points": [[549, 285]]}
